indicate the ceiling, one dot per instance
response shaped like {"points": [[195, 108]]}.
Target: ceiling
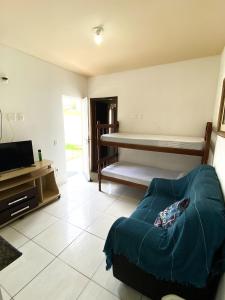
{"points": [[137, 33]]}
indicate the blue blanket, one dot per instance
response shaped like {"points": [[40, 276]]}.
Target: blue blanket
{"points": [[189, 251]]}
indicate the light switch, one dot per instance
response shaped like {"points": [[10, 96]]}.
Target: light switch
{"points": [[20, 117]]}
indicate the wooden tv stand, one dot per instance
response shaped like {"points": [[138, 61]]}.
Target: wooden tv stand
{"points": [[26, 189]]}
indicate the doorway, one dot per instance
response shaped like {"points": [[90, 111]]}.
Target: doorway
{"points": [[73, 134], [103, 110]]}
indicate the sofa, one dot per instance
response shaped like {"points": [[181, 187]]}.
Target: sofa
{"points": [[188, 257]]}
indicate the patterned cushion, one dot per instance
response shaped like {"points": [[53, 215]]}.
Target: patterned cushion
{"points": [[169, 215]]}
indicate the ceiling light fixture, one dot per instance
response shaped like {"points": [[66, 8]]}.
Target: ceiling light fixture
{"points": [[98, 34]]}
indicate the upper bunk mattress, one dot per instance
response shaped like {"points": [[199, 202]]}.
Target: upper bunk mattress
{"points": [[138, 173], [181, 142]]}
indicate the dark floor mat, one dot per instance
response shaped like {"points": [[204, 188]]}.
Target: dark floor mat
{"points": [[7, 253]]}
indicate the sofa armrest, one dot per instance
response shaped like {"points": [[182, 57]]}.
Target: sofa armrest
{"points": [[173, 188], [127, 237], [160, 186]]}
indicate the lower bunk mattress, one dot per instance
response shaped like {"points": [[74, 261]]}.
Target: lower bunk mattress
{"points": [[138, 173]]}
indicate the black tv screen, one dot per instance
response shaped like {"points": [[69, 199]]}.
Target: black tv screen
{"points": [[16, 155]]}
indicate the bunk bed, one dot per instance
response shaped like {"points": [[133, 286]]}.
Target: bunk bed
{"points": [[109, 167]]}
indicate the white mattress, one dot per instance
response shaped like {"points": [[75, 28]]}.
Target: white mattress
{"points": [[137, 173], [186, 142]]}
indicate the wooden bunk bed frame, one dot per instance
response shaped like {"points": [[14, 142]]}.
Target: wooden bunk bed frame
{"points": [[105, 161]]}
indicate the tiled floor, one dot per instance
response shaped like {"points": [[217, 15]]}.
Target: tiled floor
{"points": [[62, 246]]}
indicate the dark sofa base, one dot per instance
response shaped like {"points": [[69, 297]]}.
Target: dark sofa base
{"points": [[155, 289]]}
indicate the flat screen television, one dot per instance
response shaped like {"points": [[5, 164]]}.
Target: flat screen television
{"points": [[16, 155]]}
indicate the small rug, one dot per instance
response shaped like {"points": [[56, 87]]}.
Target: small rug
{"points": [[7, 253]]}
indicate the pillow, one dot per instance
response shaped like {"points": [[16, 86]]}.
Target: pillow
{"points": [[169, 215]]}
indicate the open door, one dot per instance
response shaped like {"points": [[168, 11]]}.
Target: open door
{"points": [[85, 137], [103, 110]]}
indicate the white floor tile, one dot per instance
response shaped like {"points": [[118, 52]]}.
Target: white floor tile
{"points": [[14, 277], [119, 189], [61, 208], [83, 216], [34, 223], [13, 237], [122, 208], [57, 282], [113, 188], [220, 294], [56, 237], [88, 193], [5, 295], [95, 292], [101, 226], [73, 191], [109, 282], [78, 181], [100, 201], [172, 297], [84, 254]]}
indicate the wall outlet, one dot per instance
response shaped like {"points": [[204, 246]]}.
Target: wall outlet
{"points": [[11, 116]]}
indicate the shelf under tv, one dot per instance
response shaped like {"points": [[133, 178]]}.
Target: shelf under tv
{"points": [[26, 189]]}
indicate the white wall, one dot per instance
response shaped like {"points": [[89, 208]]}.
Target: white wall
{"points": [[174, 99], [35, 89], [219, 154]]}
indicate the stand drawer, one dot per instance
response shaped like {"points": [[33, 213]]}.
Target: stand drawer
{"points": [[17, 199], [18, 210]]}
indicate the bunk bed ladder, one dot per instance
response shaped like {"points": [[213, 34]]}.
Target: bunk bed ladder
{"points": [[105, 161], [208, 132]]}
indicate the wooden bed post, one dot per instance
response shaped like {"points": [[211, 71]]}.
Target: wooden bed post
{"points": [[117, 149], [208, 132], [105, 161], [99, 151]]}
